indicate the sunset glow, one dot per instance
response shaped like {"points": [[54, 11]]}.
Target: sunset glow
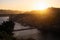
{"points": [[40, 6], [28, 5]]}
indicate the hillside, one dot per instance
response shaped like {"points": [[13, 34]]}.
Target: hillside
{"points": [[50, 21]]}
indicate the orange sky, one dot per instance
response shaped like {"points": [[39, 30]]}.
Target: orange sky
{"points": [[26, 4]]}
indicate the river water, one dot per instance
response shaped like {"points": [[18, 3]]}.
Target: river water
{"points": [[32, 33]]}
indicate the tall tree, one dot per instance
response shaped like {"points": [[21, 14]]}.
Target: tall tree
{"points": [[6, 30]]}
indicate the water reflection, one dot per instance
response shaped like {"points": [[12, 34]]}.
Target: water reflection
{"points": [[3, 19]]}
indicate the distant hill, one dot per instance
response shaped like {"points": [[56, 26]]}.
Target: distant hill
{"points": [[9, 12], [27, 12], [34, 19]]}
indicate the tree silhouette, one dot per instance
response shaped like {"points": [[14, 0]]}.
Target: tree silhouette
{"points": [[8, 27], [6, 30]]}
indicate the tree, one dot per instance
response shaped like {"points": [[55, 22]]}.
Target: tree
{"points": [[6, 30]]}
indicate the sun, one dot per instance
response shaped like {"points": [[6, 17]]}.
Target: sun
{"points": [[40, 6]]}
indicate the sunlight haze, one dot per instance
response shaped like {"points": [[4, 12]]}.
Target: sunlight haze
{"points": [[27, 5]]}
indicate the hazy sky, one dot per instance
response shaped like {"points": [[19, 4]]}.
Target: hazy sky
{"points": [[25, 4]]}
